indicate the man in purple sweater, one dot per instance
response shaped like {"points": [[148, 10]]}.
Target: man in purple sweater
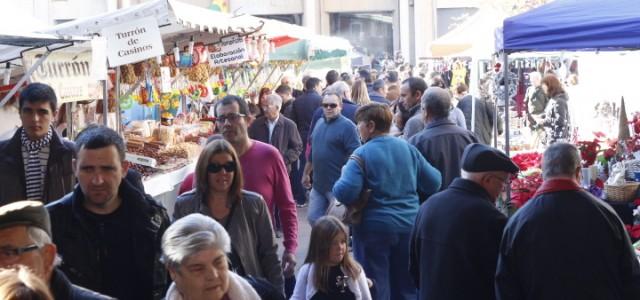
{"points": [[264, 172]]}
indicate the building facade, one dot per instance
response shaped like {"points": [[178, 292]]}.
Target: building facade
{"points": [[373, 26]]}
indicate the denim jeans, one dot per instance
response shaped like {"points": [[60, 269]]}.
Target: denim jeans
{"points": [[318, 205], [385, 259], [295, 177]]}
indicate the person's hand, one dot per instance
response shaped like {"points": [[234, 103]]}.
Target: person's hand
{"points": [[369, 282], [306, 181], [288, 264]]}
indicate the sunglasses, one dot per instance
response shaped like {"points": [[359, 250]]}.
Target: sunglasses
{"points": [[232, 117], [329, 105], [228, 167]]}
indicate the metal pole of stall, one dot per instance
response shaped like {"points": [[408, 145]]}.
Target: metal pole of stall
{"points": [[105, 103], [473, 102], [507, 96], [496, 118], [69, 115], [117, 94]]}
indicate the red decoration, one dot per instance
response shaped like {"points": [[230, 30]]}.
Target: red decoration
{"points": [[588, 151], [525, 186], [634, 231]]}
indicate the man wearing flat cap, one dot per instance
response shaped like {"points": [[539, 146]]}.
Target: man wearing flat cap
{"points": [[455, 239], [25, 239], [565, 243]]}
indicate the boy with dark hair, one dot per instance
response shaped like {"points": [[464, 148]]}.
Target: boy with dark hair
{"points": [[36, 161]]}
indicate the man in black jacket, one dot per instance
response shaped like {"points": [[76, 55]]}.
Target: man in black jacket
{"points": [[565, 243], [455, 239], [25, 239], [107, 231], [275, 129], [36, 161], [441, 142], [302, 110], [484, 115]]}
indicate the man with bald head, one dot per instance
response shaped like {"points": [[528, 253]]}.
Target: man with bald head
{"points": [[441, 142], [332, 141]]}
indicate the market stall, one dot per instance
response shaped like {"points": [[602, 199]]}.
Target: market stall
{"points": [[556, 27], [162, 59], [164, 63]]}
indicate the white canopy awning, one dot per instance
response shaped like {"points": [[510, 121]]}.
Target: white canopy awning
{"points": [[474, 37], [12, 44], [169, 13]]}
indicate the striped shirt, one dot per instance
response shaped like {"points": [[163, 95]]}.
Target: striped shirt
{"points": [[35, 188]]}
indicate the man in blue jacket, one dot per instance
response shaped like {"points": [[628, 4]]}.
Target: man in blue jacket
{"points": [[455, 239], [333, 140]]}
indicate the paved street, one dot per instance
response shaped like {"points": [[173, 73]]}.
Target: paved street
{"points": [[304, 232]]}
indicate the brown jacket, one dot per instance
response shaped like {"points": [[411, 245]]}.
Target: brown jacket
{"points": [[58, 181], [285, 137]]}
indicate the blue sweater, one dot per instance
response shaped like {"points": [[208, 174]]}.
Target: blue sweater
{"points": [[331, 145], [397, 173]]}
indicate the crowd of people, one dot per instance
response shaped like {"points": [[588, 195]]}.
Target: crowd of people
{"points": [[397, 151]]}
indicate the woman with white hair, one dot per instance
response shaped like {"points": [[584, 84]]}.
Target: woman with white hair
{"points": [[194, 251]]}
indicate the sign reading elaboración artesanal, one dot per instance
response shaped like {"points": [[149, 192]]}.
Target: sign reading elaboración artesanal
{"points": [[229, 51], [133, 41], [68, 73]]}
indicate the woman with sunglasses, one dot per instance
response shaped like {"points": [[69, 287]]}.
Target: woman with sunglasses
{"points": [[218, 194]]}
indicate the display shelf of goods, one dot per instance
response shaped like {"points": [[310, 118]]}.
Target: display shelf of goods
{"points": [[524, 186], [170, 146]]}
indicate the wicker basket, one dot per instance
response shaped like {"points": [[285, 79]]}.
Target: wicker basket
{"points": [[622, 193]]}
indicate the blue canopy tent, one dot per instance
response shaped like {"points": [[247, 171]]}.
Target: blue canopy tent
{"points": [[575, 25], [570, 25]]}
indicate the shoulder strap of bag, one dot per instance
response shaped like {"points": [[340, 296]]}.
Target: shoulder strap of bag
{"points": [[360, 163]]}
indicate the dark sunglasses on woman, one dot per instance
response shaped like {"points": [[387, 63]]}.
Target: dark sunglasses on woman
{"points": [[228, 166]]}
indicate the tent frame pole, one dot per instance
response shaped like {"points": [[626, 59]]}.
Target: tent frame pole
{"points": [[507, 129]]}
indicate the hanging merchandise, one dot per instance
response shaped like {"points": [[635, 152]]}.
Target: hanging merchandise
{"points": [[127, 102], [176, 53], [200, 53], [148, 94], [128, 74]]}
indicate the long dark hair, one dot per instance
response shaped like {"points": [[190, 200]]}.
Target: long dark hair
{"points": [[322, 233]]}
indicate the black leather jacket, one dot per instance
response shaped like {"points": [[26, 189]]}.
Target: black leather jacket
{"points": [[58, 181], [76, 242], [62, 288]]}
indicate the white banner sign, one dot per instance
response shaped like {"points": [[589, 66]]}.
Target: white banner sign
{"points": [[228, 52], [69, 74], [133, 41]]}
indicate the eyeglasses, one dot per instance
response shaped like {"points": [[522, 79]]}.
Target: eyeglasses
{"points": [[329, 105], [232, 117], [215, 168], [11, 255]]}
